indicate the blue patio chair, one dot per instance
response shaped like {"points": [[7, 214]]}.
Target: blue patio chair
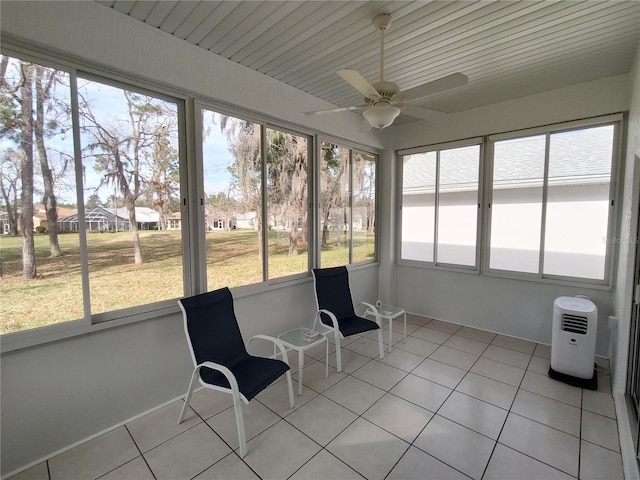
{"points": [[336, 311], [220, 358]]}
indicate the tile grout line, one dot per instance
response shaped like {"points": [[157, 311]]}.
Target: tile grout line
{"points": [[505, 420], [386, 391], [144, 459]]}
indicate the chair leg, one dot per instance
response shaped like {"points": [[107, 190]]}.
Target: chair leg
{"points": [[187, 398], [338, 351], [242, 439], [381, 343], [290, 387]]}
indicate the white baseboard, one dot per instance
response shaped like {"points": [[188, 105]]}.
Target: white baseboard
{"points": [[91, 437]]}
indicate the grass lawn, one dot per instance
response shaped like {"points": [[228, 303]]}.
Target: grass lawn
{"points": [[115, 282]]}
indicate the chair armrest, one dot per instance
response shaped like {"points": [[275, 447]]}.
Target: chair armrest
{"points": [[373, 311], [276, 342], [331, 315], [231, 378]]}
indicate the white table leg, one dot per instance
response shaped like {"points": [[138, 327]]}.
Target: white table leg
{"points": [[390, 331], [405, 327], [326, 359], [300, 366]]}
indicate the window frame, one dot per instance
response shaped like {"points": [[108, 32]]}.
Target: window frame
{"points": [[147, 310], [486, 178], [203, 104], [113, 318], [438, 147], [353, 148], [90, 323], [191, 193], [617, 121]]}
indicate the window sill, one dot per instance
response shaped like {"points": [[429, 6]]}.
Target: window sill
{"points": [[52, 333], [10, 342]]}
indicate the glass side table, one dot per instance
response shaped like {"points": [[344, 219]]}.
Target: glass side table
{"points": [[301, 339], [390, 312]]}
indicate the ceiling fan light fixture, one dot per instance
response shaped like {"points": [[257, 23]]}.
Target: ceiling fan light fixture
{"points": [[381, 116]]}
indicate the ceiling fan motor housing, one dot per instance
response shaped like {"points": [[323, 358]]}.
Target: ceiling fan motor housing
{"points": [[387, 91], [382, 22]]}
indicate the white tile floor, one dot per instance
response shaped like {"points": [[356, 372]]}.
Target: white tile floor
{"points": [[449, 403]]}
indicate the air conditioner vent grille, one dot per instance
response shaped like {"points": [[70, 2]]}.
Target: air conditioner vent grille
{"points": [[574, 323]]}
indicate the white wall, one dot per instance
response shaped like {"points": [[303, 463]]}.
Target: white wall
{"points": [[512, 307], [628, 234], [607, 95], [62, 392]]}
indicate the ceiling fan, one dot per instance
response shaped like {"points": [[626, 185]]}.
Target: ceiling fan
{"points": [[383, 101]]}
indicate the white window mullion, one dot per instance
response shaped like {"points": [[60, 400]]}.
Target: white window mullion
{"points": [[543, 219], [436, 206], [264, 200], [82, 228], [192, 187], [350, 206]]}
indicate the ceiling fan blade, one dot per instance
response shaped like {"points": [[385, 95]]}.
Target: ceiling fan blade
{"points": [[339, 109], [445, 83], [424, 113], [358, 82]]}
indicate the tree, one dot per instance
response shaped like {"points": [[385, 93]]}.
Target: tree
{"points": [[17, 125], [93, 201], [164, 180], [333, 179], [44, 81], [28, 111], [127, 149], [9, 182], [364, 187], [245, 146], [26, 171], [287, 181]]}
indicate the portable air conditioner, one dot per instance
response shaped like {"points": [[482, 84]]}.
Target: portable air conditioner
{"points": [[573, 341]]}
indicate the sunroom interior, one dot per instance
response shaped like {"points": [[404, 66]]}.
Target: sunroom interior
{"points": [[65, 383]]}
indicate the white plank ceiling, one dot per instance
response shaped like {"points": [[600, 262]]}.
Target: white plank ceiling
{"points": [[508, 49]]}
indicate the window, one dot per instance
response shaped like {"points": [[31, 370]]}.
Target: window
{"points": [[287, 205], [440, 205], [516, 206], [552, 203], [93, 222], [87, 231], [41, 268], [232, 170], [131, 181], [364, 207], [347, 205], [234, 174]]}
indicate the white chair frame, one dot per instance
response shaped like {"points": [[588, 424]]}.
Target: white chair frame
{"points": [[237, 396], [317, 323]]}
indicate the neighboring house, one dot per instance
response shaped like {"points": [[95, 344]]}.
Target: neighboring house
{"points": [[147, 218], [215, 221], [39, 218], [4, 223], [174, 221], [40, 215], [110, 219], [223, 224], [247, 220]]}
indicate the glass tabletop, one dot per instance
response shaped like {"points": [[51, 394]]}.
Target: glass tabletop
{"points": [[389, 309], [300, 337]]}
